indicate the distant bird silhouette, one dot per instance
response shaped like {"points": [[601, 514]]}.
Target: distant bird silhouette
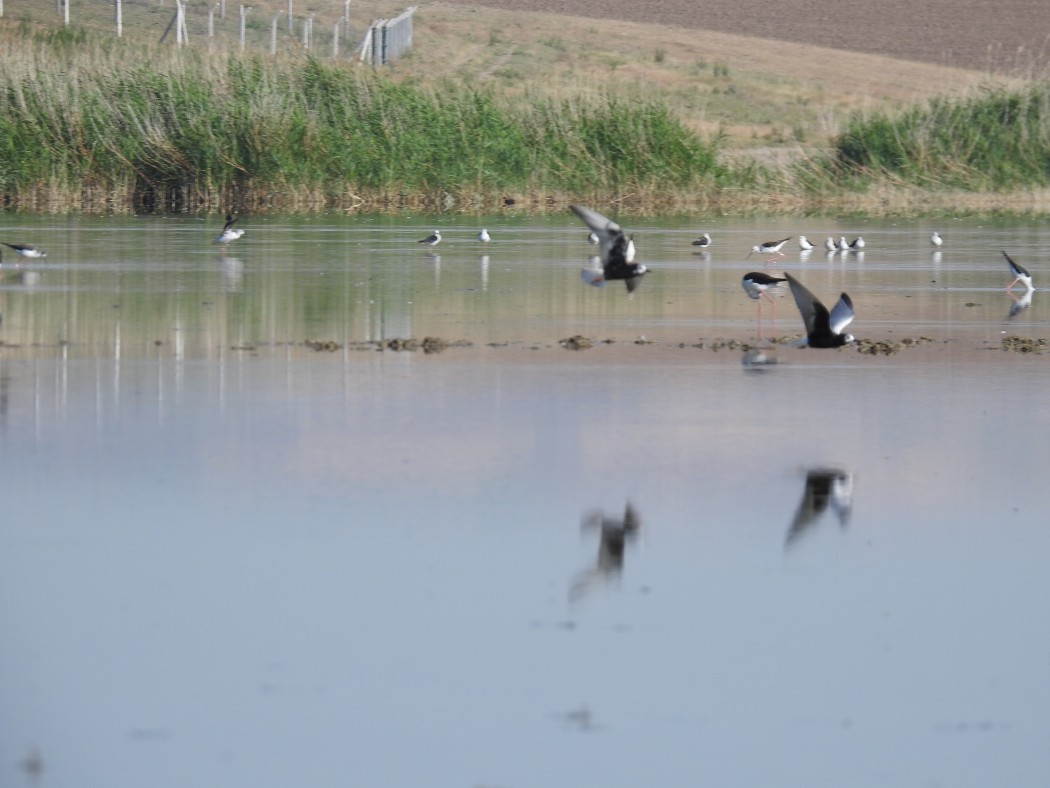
{"points": [[1020, 273], [857, 243], [433, 239], [613, 246], [703, 241], [823, 329], [936, 239], [804, 243], [825, 487], [25, 250], [484, 236], [228, 234], [830, 245]]}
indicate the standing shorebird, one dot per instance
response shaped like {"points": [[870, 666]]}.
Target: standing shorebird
{"points": [[703, 241], [25, 250], [756, 284], [772, 248], [1020, 274], [804, 244], [823, 328], [857, 243], [484, 236], [433, 239], [228, 233], [829, 244], [936, 239], [613, 245]]}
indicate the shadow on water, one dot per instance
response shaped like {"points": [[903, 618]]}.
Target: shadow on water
{"points": [[825, 488], [613, 537]]}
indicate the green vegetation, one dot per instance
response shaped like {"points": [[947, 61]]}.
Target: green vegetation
{"points": [[182, 130], [994, 141]]}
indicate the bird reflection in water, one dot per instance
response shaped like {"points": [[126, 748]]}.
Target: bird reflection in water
{"points": [[614, 535], [1019, 303], [825, 488], [759, 359]]}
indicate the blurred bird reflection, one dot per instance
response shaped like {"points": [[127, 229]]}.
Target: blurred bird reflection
{"points": [[825, 488], [1019, 303], [614, 535]]}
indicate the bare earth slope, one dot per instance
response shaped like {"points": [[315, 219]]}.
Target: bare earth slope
{"points": [[974, 34]]}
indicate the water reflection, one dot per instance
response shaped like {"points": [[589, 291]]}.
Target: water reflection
{"points": [[825, 488], [613, 537], [760, 359], [1019, 303]]}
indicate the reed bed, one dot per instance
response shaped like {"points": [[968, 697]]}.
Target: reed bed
{"points": [[104, 128], [995, 141]]}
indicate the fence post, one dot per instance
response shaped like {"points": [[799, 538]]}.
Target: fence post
{"points": [[244, 18], [335, 40], [118, 10], [291, 24], [273, 33]]}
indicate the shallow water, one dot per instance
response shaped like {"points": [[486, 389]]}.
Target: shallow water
{"points": [[228, 559]]}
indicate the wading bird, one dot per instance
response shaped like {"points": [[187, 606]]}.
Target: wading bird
{"points": [[823, 328]]}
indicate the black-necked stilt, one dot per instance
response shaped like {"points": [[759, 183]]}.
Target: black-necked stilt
{"points": [[771, 248], [25, 250], [936, 239], [1020, 273], [433, 239], [703, 241], [857, 243], [825, 488], [823, 329], [228, 233], [756, 284], [613, 245], [804, 244], [484, 236]]}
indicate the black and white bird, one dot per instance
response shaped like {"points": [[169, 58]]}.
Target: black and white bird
{"points": [[1020, 273], [771, 248], [830, 245], [824, 329], [228, 234], [592, 239], [804, 244], [843, 244], [756, 284], [857, 243], [613, 246], [631, 251], [703, 241], [433, 239], [25, 250], [936, 239], [484, 236], [826, 488]]}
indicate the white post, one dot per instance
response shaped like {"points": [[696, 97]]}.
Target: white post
{"points": [[291, 24], [306, 33], [179, 23], [182, 22], [119, 12], [273, 34], [244, 18], [222, 10], [346, 16], [335, 40], [65, 15], [211, 26]]}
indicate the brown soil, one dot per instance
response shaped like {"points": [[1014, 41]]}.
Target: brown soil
{"points": [[1008, 35]]}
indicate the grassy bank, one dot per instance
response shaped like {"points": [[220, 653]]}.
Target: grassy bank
{"points": [[90, 125]]}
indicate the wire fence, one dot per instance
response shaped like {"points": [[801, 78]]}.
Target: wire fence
{"points": [[225, 25]]}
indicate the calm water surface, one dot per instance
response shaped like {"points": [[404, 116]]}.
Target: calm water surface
{"points": [[228, 559]]}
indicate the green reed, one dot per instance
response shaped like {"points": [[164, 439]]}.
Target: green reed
{"points": [[996, 140], [163, 130]]}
